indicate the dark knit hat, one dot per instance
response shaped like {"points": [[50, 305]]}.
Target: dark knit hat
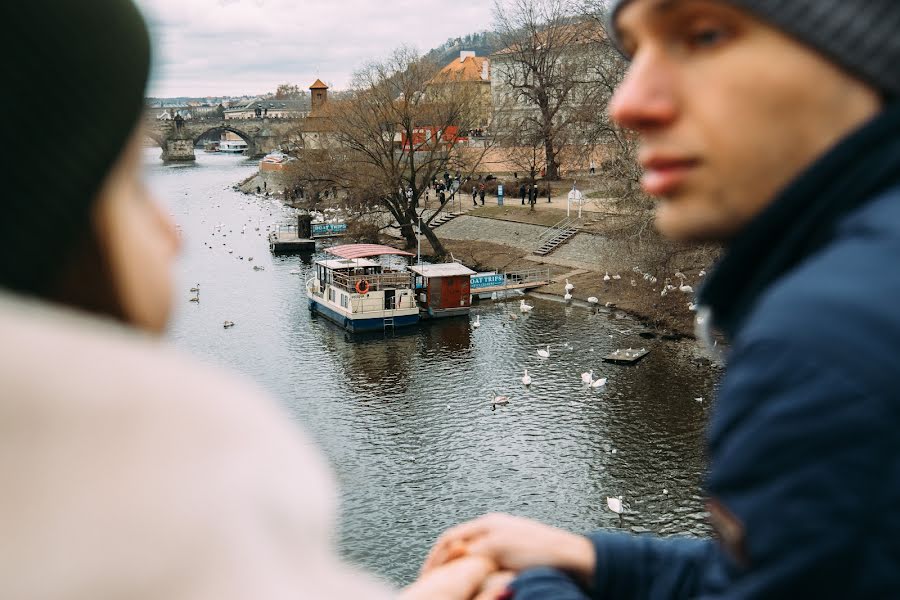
{"points": [[862, 36], [73, 94]]}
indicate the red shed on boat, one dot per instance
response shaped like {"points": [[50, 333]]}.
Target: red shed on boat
{"points": [[442, 290]]}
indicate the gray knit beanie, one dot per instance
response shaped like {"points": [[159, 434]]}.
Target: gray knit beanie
{"points": [[862, 36]]}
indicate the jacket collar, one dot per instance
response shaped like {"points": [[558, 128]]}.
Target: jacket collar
{"points": [[802, 219]]}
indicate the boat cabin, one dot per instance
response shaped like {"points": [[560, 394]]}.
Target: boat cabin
{"points": [[443, 290]]}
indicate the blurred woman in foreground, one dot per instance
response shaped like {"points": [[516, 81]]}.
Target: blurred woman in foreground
{"points": [[129, 470]]}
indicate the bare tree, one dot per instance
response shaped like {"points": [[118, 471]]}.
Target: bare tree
{"points": [[539, 75], [606, 71], [397, 133]]}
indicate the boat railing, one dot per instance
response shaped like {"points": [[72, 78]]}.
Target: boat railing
{"points": [[313, 288], [376, 283]]}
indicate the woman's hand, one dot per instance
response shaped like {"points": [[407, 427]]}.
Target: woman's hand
{"points": [[514, 544], [460, 579]]}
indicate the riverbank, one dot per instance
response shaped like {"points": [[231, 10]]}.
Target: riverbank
{"points": [[639, 268], [499, 238]]}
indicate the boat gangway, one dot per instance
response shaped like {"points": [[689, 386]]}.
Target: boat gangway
{"points": [[510, 280]]}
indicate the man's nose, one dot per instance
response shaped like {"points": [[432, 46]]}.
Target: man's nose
{"points": [[645, 100]]}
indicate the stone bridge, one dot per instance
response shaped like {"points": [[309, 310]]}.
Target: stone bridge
{"points": [[178, 138]]}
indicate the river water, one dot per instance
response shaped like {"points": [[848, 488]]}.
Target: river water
{"points": [[406, 421]]}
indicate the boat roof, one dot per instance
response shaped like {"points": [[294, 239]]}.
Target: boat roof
{"points": [[364, 250], [442, 270], [335, 264]]}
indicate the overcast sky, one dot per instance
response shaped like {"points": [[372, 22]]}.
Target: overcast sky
{"points": [[236, 47]]}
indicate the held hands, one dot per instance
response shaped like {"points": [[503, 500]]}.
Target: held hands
{"points": [[466, 578], [513, 544]]}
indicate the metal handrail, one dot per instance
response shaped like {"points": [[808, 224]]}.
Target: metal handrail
{"points": [[377, 283], [526, 276], [554, 230]]}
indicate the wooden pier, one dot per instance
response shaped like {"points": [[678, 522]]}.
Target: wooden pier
{"points": [[286, 239], [513, 280], [626, 357]]}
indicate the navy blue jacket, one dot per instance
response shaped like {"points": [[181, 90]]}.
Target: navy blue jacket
{"points": [[804, 443]]}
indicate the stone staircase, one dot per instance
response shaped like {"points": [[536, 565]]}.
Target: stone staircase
{"points": [[555, 237], [443, 218], [446, 217]]}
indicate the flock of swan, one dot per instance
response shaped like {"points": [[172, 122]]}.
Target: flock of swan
{"points": [[544, 353], [667, 287]]}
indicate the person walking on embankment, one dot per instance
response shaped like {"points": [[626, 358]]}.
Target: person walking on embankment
{"points": [[772, 127]]}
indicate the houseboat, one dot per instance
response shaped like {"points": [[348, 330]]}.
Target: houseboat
{"points": [[360, 294], [232, 146], [443, 290]]}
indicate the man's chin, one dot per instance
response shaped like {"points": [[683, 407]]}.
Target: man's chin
{"points": [[675, 223]]}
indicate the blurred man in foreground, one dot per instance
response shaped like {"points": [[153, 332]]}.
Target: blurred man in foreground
{"points": [[772, 126]]}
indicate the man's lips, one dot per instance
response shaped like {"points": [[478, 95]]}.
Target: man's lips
{"points": [[662, 175]]}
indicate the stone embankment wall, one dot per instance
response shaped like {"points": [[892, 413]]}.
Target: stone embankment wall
{"points": [[273, 180]]}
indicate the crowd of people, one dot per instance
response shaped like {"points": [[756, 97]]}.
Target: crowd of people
{"points": [[132, 471]]}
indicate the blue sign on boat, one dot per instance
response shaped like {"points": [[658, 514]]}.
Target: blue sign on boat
{"points": [[483, 281], [328, 228]]}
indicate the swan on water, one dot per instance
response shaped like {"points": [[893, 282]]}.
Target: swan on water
{"points": [[606, 277], [593, 300], [544, 353], [567, 297], [587, 377], [498, 401], [525, 308], [526, 378], [617, 277], [598, 383], [569, 286], [477, 322], [615, 505]]}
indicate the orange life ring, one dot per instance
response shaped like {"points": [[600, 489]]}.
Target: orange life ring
{"points": [[362, 286]]}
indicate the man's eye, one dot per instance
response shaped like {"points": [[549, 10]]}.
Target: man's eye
{"points": [[708, 37]]}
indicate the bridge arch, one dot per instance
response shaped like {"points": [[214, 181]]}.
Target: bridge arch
{"points": [[218, 129], [156, 138]]}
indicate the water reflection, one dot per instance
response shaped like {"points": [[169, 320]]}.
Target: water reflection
{"points": [[405, 418]]}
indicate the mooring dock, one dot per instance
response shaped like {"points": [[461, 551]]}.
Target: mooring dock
{"points": [[510, 280], [286, 239], [626, 357]]}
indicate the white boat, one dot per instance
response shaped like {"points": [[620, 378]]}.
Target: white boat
{"points": [[233, 146], [275, 161], [276, 158], [360, 294]]}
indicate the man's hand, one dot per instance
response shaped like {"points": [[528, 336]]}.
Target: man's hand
{"points": [[514, 544], [460, 579]]}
